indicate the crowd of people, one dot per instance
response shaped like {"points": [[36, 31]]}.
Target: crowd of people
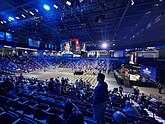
{"points": [[102, 103], [78, 101], [18, 64]]}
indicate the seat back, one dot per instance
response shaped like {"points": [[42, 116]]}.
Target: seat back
{"points": [[24, 121], [52, 118], [8, 117], [55, 110], [39, 114]]}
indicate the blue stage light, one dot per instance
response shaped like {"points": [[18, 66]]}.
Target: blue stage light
{"points": [[46, 7]]}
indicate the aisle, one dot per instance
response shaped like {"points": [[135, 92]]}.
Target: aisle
{"points": [[112, 83]]}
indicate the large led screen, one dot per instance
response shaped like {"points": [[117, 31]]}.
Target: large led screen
{"points": [[8, 37], [2, 36], [148, 71]]}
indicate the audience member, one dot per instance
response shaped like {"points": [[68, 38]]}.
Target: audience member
{"points": [[100, 99], [119, 118], [121, 90], [130, 109], [51, 85], [68, 108], [76, 117]]}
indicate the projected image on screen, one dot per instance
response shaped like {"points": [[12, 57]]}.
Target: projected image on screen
{"points": [[66, 50]]}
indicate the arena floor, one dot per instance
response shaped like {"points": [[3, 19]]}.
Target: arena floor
{"points": [[67, 72]]}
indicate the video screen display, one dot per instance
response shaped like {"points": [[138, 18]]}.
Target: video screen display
{"points": [[8, 37], [31, 42], [34, 43], [70, 48], [148, 71], [2, 36]]}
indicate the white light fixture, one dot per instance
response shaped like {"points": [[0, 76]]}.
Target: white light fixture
{"points": [[68, 3], [31, 13], [55, 6], [17, 17], [104, 45], [1, 22], [4, 21], [11, 19], [23, 15]]}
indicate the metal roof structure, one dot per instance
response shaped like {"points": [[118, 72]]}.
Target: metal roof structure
{"points": [[120, 23]]}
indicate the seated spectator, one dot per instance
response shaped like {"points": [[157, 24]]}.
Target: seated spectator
{"points": [[8, 84], [67, 109], [76, 117], [161, 111], [141, 108], [130, 109], [119, 118], [125, 97]]}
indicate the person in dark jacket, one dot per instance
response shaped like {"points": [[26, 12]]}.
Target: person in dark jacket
{"points": [[51, 85], [121, 90], [100, 99]]}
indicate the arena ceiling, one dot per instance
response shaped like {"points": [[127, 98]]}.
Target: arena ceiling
{"points": [[119, 23]]}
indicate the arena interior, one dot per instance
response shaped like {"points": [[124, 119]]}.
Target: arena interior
{"points": [[82, 62]]}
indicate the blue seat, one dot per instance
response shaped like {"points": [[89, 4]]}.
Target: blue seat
{"points": [[8, 117], [89, 120], [39, 115], [52, 118], [24, 121], [28, 111]]}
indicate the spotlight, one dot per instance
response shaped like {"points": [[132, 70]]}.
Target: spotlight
{"points": [[23, 15], [31, 13], [1, 22], [17, 17], [55, 6], [104, 45], [46, 7], [4, 21], [68, 3], [11, 18]]}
